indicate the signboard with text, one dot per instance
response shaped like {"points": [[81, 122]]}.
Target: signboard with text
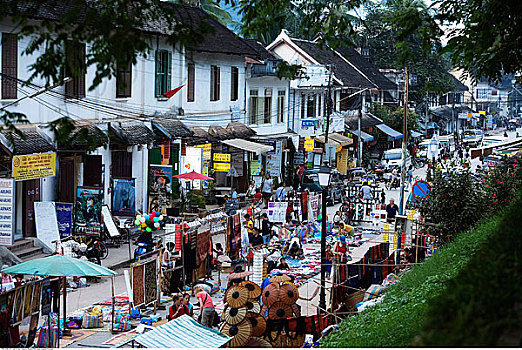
{"points": [[277, 211], [46, 223], [64, 212], [221, 157], [34, 166], [222, 167], [7, 193], [309, 145]]}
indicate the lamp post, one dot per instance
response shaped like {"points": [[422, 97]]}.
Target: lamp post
{"points": [[324, 180]]}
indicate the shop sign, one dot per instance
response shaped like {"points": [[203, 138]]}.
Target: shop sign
{"points": [[255, 167], [160, 187], [192, 161], [309, 145], [273, 160], [87, 218], [342, 161], [7, 199], [222, 167], [46, 223], [482, 112], [207, 151], [237, 162], [34, 166], [307, 123], [64, 213], [124, 197], [299, 157], [221, 157], [277, 211]]}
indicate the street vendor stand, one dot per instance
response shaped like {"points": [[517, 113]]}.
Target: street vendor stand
{"points": [[63, 266]]}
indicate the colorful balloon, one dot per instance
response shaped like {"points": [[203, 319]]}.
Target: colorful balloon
{"points": [[156, 224], [161, 217], [142, 219], [148, 229]]}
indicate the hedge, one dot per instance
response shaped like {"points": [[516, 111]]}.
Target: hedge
{"points": [[399, 319]]}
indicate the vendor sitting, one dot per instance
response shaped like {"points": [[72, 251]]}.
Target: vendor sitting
{"points": [[282, 264], [295, 248], [256, 240], [178, 308]]}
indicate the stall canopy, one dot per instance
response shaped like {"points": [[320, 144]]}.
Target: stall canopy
{"points": [[248, 146], [365, 137], [416, 134], [182, 332], [336, 140], [389, 131]]}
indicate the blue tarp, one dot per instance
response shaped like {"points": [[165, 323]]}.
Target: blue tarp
{"points": [[415, 134], [389, 131], [364, 136], [182, 332]]}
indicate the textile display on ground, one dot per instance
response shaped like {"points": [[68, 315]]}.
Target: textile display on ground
{"points": [[76, 335], [122, 338], [151, 284], [138, 286]]}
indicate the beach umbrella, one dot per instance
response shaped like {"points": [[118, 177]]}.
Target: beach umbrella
{"points": [[240, 332], [258, 324], [236, 296], [234, 315], [279, 310], [59, 266], [193, 176], [288, 293], [254, 291]]}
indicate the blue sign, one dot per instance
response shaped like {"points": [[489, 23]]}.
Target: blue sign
{"points": [[307, 123], [421, 190], [64, 217]]}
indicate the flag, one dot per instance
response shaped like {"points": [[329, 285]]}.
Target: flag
{"points": [[171, 93]]}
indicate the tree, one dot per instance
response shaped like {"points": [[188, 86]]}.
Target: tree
{"points": [[212, 8], [393, 117]]}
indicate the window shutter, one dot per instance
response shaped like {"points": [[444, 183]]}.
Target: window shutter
{"points": [[168, 86], [155, 155], [218, 84], [157, 79], [190, 82], [212, 83], [81, 78], [9, 66]]}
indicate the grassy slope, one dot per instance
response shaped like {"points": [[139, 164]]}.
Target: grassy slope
{"points": [[397, 321]]}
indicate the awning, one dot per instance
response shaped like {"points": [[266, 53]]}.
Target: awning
{"points": [[389, 131], [248, 146], [182, 332], [416, 134], [336, 140], [364, 136]]}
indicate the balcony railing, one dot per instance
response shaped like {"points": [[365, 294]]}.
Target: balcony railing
{"points": [[269, 68]]}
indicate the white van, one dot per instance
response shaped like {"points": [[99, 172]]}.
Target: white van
{"points": [[447, 141], [393, 157]]}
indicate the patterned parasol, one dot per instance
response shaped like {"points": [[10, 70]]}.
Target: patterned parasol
{"points": [[254, 291], [288, 293], [256, 342], [236, 296], [296, 310], [241, 333], [233, 315], [280, 278], [270, 294], [253, 306], [279, 310], [258, 324]]}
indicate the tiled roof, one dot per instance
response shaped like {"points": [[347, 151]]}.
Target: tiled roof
{"points": [[33, 142], [342, 70], [88, 129], [172, 127], [200, 136], [368, 69], [220, 133], [132, 132], [218, 38], [367, 120], [240, 130], [458, 84], [259, 48], [447, 112]]}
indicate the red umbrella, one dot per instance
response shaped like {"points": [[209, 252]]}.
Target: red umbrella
{"points": [[193, 176]]}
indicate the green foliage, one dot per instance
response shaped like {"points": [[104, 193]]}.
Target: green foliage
{"points": [[476, 306], [397, 320], [212, 8], [66, 132], [393, 116]]}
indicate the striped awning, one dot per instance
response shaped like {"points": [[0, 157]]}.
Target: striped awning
{"points": [[395, 135], [248, 146], [182, 332]]}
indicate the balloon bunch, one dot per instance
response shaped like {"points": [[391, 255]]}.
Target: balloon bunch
{"points": [[150, 222]]}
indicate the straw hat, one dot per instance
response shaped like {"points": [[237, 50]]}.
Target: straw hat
{"points": [[234, 315], [240, 332], [258, 324], [236, 296], [288, 293], [270, 294], [254, 291], [279, 310]]}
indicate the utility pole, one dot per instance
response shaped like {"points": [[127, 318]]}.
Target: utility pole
{"points": [[322, 294], [404, 141], [359, 138]]}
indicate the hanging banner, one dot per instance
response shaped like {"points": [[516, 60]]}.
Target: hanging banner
{"points": [[207, 151], [273, 160], [124, 197], [221, 157], [160, 187], [87, 213], [314, 200], [192, 161], [237, 162], [7, 199], [34, 166], [255, 167], [64, 213], [46, 223], [277, 211], [342, 161], [304, 205]]}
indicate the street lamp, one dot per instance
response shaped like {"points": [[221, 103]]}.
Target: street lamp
{"points": [[324, 180]]}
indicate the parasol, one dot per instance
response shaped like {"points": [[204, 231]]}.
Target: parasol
{"points": [[240, 275], [270, 294], [296, 310], [263, 310], [280, 278], [193, 176], [258, 324], [253, 306], [234, 315], [240, 332], [236, 296], [288, 293], [256, 342], [279, 310], [254, 291]]}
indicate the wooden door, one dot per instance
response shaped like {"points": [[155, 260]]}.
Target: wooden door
{"points": [[121, 164], [31, 191], [66, 181], [92, 174]]}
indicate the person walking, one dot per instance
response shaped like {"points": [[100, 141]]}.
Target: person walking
{"points": [[391, 210], [267, 188], [207, 308]]}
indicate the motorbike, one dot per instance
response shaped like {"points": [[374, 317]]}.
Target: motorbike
{"points": [[392, 183], [91, 253]]}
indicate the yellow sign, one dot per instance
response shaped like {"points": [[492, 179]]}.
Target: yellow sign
{"points": [[395, 241], [482, 112], [410, 214], [309, 145], [342, 161], [222, 167], [207, 150], [221, 157], [385, 232], [34, 166]]}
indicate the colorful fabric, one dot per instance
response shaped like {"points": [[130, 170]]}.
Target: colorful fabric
{"points": [[151, 284], [92, 321], [138, 287], [203, 246], [373, 292]]}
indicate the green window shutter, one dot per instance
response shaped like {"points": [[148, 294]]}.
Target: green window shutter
{"points": [[155, 156], [157, 81], [169, 73]]}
